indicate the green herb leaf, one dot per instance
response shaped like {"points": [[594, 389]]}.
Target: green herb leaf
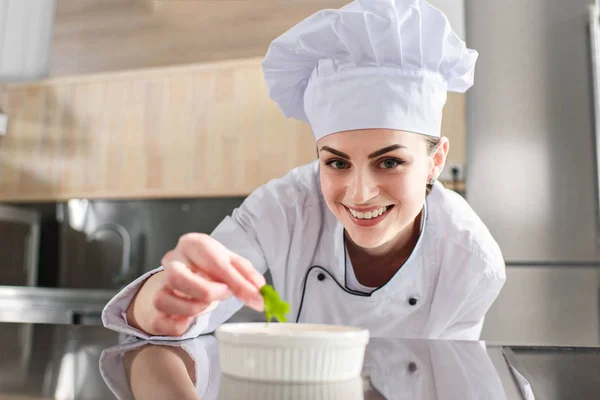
{"points": [[274, 306]]}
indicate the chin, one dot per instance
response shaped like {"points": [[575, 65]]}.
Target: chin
{"points": [[367, 241]]}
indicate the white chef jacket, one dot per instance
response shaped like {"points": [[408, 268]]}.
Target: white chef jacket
{"points": [[443, 290], [397, 369]]}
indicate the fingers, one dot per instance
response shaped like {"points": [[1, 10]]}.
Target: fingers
{"points": [[242, 288], [219, 266], [247, 270], [170, 325], [169, 303], [193, 285], [203, 269]]}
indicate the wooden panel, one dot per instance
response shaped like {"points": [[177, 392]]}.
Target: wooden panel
{"points": [[92, 36], [204, 130], [454, 127], [192, 131]]}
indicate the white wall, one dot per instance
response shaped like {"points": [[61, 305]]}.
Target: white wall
{"points": [[25, 37], [546, 306]]}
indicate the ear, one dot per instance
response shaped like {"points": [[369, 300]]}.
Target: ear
{"points": [[438, 159]]}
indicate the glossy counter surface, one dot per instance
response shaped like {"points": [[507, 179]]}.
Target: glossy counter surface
{"points": [[82, 362]]}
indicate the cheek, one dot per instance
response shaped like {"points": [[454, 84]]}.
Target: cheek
{"points": [[408, 190], [332, 188], [402, 186]]}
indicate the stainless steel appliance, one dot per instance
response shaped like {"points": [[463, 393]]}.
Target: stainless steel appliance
{"points": [[105, 244], [19, 241], [52, 305], [89, 249], [533, 164]]}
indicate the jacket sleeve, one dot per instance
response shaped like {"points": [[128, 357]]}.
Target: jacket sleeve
{"points": [[468, 321], [255, 231]]}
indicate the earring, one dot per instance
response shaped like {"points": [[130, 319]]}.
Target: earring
{"points": [[432, 181]]}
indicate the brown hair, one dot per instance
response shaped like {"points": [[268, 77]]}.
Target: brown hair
{"points": [[432, 144]]}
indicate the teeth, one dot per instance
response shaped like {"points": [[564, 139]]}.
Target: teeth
{"points": [[369, 214]]}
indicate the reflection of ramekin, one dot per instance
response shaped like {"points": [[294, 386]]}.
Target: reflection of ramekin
{"points": [[235, 389], [291, 352]]}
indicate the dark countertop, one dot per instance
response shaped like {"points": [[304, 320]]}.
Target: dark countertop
{"points": [[83, 362]]}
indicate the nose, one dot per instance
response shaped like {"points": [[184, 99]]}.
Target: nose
{"points": [[363, 187]]}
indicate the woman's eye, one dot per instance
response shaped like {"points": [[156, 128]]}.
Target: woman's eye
{"points": [[390, 163], [337, 164]]}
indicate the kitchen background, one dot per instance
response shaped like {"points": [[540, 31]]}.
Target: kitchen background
{"points": [[126, 123]]}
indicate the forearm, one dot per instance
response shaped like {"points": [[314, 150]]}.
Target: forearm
{"points": [[141, 310]]}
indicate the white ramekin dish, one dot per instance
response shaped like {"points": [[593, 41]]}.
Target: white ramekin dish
{"points": [[288, 352]]}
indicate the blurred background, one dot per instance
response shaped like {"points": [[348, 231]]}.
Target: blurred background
{"points": [[126, 123]]}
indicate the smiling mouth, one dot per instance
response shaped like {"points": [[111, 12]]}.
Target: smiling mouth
{"points": [[369, 215]]}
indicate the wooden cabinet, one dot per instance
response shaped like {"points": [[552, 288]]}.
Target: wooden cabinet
{"points": [[94, 36], [202, 130]]}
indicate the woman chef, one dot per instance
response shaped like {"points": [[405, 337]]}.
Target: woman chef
{"points": [[364, 236]]}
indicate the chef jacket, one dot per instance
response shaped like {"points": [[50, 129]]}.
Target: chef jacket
{"points": [[443, 290]]}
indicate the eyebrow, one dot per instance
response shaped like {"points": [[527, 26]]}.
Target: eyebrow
{"points": [[386, 150], [372, 155]]}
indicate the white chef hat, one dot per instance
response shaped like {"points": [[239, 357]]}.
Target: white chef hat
{"points": [[371, 64]]}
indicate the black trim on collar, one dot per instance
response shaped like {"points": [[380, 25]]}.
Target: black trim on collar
{"points": [[305, 281], [335, 280]]}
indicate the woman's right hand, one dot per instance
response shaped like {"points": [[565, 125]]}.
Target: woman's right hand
{"points": [[198, 274]]}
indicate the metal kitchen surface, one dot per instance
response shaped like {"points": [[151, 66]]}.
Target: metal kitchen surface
{"points": [[52, 305], [80, 362]]}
